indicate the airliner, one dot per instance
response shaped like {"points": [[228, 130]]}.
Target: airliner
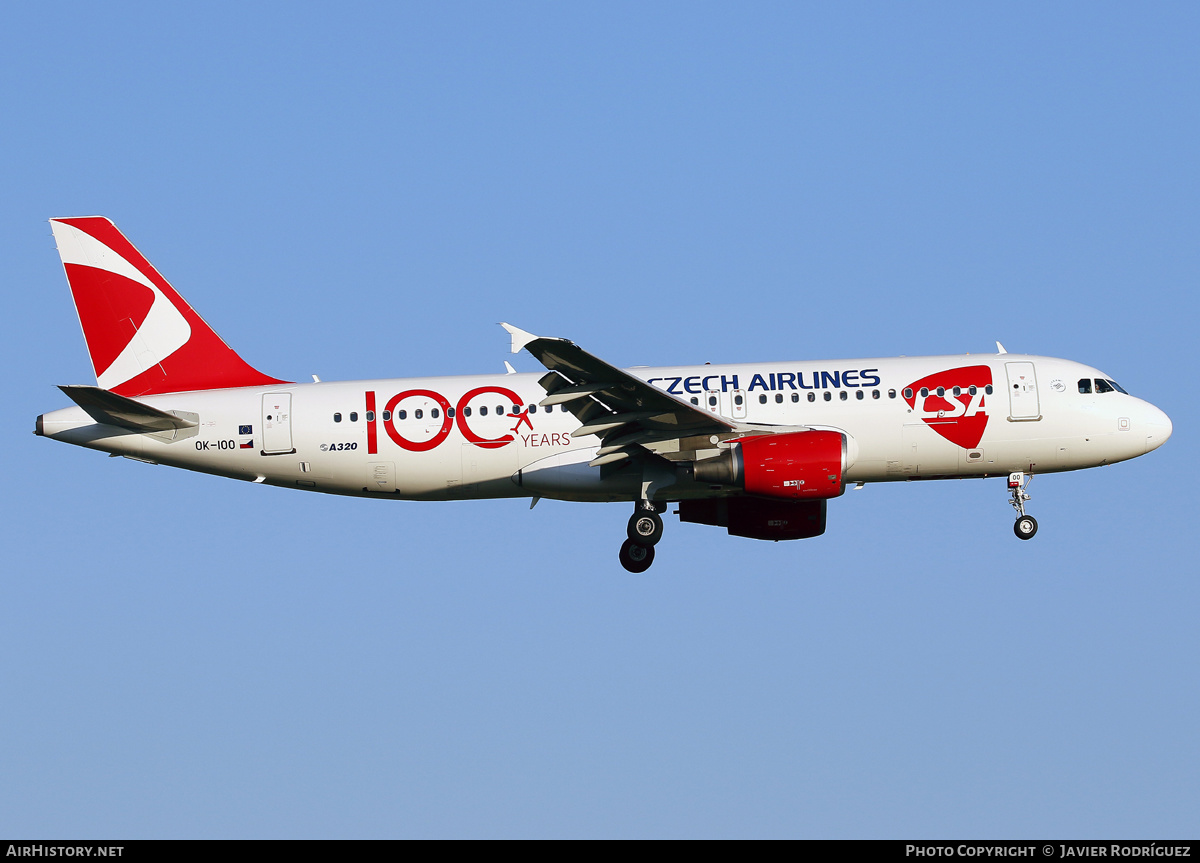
{"points": [[756, 448]]}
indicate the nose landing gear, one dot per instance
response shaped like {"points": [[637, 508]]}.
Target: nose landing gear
{"points": [[1026, 525], [645, 530]]}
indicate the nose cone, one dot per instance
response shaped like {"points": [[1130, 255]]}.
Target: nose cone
{"points": [[1158, 427]]}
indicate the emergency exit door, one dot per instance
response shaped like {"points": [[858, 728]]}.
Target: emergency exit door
{"points": [[739, 404], [277, 423]]}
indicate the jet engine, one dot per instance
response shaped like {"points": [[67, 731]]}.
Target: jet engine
{"points": [[804, 465]]}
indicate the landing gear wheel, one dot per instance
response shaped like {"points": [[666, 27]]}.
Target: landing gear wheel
{"points": [[1026, 525], [645, 527], [635, 557]]}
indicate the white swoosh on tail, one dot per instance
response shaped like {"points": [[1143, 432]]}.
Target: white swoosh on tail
{"points": [[164, 331]]}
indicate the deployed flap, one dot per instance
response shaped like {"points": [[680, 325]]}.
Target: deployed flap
{"points": [[114, 410], [610, 403]]}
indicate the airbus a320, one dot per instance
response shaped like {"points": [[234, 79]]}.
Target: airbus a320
{"points": [[756, 448]]}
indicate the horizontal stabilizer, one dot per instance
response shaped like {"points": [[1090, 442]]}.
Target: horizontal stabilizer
{"points": [[114, 410]]}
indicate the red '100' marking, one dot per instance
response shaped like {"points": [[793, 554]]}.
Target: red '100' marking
{"points": [[466, 429], [447, 420], [418, 446]]}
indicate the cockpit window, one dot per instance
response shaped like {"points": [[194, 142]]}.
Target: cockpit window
{"points": [[1085, 386], [1103, 386], [1117, 387]]}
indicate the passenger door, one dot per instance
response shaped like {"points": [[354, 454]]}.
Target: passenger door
{"points": [[1023, 405]]}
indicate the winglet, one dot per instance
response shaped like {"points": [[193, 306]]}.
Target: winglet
{"points": [[1000, 348], [520, 338]]}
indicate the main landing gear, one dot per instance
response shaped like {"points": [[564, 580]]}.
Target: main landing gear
{"points": [[645, 530], [1026, 525]]}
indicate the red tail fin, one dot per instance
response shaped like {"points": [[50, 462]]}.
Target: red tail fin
{"points": [[142, 336]]}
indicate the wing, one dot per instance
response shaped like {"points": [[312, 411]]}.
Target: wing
{"points": [[628, 415]]}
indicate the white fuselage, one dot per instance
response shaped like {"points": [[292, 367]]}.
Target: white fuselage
{"points": [[483, 436]]}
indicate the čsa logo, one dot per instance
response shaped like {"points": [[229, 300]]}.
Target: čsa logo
{"points": [[953, 403]]}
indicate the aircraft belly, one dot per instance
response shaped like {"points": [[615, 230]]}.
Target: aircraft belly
{"points": [[106, 439], [487, 472], [867, 470], [925, 453]]}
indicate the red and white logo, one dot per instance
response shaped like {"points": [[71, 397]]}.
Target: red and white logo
{"points": [[142, 336], [953, 403]]}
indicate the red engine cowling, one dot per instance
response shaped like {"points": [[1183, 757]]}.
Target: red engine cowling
{"points": [[793, 466], [757, 518]]}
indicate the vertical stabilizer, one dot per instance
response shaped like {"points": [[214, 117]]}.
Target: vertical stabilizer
{"points": [[142, 336]]}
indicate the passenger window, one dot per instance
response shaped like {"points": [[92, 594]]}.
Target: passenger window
{"points": [[795, 397], [828, 396], [483, 411], [908, 392], [778, 398], [533, 409], [499, 410], [1102, 386], [434, 413], [337, 418], [858, 394], [450, 412], [370, 416], [972, 390], [712, 401], [516, 409], [467, 411], [941, 391], [874, 394], [891, 394], [957, 391], [387, 415], [695, 400], [812, 397], [737, 400], [762, 399], [988, 389], [401, 415], [924, 392], [843, 395], [418, 414]]}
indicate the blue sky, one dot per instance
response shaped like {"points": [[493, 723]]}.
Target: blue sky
{"points": [[364, 191]]}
